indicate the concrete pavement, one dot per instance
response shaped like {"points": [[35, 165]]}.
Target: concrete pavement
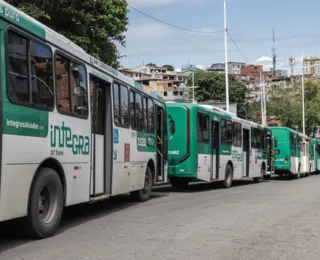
{"points": [[277, 219]]}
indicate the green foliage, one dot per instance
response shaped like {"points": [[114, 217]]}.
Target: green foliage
{"points": [[93, 25], [287, 105], [151, 64], [169, 67], [212, 87], [248, 110]]}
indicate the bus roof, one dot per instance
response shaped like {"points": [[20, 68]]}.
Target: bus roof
{"points": [[290, 130], [26, 22], [213, 109]]}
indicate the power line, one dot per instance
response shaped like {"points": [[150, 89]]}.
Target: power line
{"points": [[172, 25], [237, 46]]}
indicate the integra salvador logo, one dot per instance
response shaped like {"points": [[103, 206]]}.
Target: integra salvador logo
{"points": [[62, 137]]}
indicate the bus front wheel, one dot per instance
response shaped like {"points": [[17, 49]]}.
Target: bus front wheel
{"points": [[145, 193], [45, 204], [297, 175]]}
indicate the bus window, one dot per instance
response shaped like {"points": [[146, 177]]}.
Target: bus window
{"points": [[121, 105], [172, 124], [237, 140], [136, 111], [256, 138], [29, 62], [226, 132], [203, 128], [71, 79], [292, 144]]}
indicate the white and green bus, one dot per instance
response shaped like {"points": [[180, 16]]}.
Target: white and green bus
{"points": [[58, 146], [220, 146]]}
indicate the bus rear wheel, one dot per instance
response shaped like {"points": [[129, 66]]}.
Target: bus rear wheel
{"points": [[228, 177], [179, 183], [45, 204], [145, 193], [262, 174]]}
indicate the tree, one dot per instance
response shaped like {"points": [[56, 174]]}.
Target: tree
{"points": [[287, 105], [212, 87], [94, 25], [248, 110], [151, 64], [169, 67]]}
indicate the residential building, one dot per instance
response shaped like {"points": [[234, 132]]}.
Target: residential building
{"points": [[280, 73], [233, 67], [135, 74], [251, 70], [311, 65], [169, 84]]}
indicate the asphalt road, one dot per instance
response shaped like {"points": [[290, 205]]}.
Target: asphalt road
{"points": [[277, 219]]}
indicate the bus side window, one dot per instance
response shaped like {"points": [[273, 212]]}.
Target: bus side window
{"points": [[71, 79], [226, 132], [203, 128], [29, 62], [121, 105]]}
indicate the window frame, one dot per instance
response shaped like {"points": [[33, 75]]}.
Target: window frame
{"points": [[119, 91], [29, 38], [146, 127], [67, 56], [224, 131], [254, 135], [235, 128], [134, 114], [203, 115]]}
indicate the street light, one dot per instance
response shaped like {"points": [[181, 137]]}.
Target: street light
{"points": [[226, 54]]}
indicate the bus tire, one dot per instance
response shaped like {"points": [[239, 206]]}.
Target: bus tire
{"points": [[145, 193], [262, 174], [297, 175], [45, 204], [179, 183], [309, 172], [228, 177]]}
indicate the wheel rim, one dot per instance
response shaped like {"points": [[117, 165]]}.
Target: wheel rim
{"points": [[47, 203], [147, 183]]}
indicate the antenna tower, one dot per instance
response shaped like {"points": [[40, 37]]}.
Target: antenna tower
{"points": [[291, 63], [274, 56]]}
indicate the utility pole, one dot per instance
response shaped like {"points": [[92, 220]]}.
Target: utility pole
{"points": [[226, 54], [193, 87], [274, 56], [264, 102], [302, 87], [261, 98]]}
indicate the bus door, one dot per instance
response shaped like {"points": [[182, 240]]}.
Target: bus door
{"points": [[215, 151], [161, 144], [246, 152], [102, 145]]}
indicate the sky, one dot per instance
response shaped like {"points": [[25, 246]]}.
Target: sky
{"points": [[250, 23]]}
